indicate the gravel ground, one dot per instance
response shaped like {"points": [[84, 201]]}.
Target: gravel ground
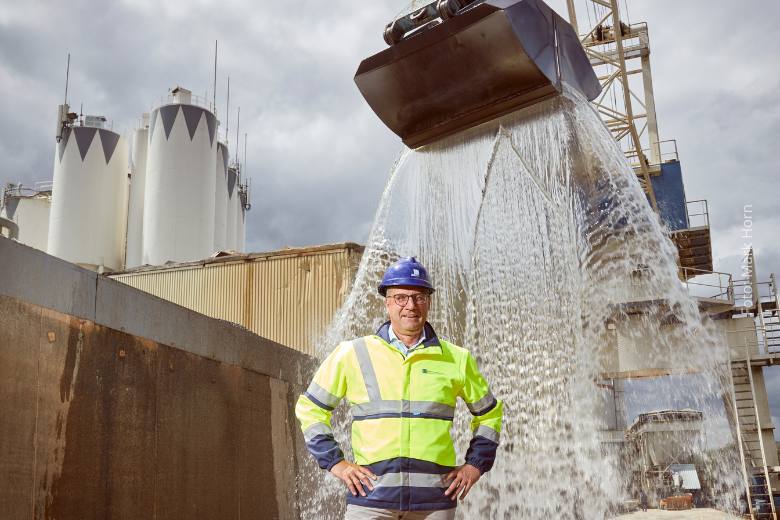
{"points": [[691, 514]]}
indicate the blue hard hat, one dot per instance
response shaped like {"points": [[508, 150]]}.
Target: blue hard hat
{"points": [[406, 271]]}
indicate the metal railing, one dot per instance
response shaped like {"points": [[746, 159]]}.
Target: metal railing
{"points": [[201, 101], [245, 189], [748, 296], [763, 340], [222, 134], [713, 285], [697, 213], [667, 151], [759, 300], [771, 338], [628, 32], [19, 190]]}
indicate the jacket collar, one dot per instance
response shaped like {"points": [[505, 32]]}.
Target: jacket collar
{"points": [[431, 339]]}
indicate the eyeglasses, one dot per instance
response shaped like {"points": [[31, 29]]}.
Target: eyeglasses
{"points": [[402, 299]]}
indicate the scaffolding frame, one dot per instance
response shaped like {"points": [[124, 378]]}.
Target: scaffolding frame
{"points": [[614, 49], [609, 51]]}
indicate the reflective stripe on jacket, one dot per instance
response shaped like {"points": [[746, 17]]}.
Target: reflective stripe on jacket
{"points": [[402, 411]]}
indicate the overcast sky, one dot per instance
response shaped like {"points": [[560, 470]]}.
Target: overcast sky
{"points": [[318, 157]]}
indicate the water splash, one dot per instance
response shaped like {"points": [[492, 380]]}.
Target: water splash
{"points": [[550, 267]]}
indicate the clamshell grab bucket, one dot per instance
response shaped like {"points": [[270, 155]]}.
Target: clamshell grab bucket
{"points": [[460, 69]]}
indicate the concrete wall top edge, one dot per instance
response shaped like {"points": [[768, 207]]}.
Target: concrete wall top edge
{"points": [[245, 257], [40, 279], [36, 277]]}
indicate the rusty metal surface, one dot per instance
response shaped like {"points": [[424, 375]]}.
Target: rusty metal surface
{"points": [[107, 439], [17, 403], [485, 62], [103, 424]]}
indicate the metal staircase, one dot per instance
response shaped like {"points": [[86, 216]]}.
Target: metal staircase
{"points": [[748, 428], [769, 319], [772, 332], [763, 350]]}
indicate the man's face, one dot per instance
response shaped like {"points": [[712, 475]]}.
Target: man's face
{"points": [[408, 319]]}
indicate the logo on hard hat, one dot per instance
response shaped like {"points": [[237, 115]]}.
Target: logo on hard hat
{"points": [[415, 272]]}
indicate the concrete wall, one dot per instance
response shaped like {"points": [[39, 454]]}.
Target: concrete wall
{"points": [[117, 404]]}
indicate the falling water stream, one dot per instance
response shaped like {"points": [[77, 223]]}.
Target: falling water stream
{"points": [[544, 252]]}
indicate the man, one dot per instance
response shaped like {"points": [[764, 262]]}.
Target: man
{"points": [[402, 384]]}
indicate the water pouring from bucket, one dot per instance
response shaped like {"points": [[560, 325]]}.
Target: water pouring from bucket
{"points": [[534, 228]]}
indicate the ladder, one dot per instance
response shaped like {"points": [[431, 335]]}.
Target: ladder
{"points": [[747, 422]]}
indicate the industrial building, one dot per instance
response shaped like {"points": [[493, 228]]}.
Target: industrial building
{"points": [[168, 194], [163, 214], [24, 214], [750, 327], [288, 296], [662, 443], [752, 332]]}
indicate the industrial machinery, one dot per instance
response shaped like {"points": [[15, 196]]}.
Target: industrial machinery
{"points": [[455, 64]]}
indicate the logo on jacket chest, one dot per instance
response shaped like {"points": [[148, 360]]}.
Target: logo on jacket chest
{"points": [[432, 378]]}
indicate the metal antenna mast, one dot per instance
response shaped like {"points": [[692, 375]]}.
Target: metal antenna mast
{"points": [[244, 188], [238, 126], [67, 79], [227, 112], [214, 103]]}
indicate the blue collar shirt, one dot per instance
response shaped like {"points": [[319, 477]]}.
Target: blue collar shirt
{"points": [[400, 345]]}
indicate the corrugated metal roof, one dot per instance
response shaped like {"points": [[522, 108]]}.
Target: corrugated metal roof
{"points": [[288, 296], [233, 256], [689, 478]]}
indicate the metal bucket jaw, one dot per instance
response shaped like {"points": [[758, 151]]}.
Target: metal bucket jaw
{"points": [[447, 72]]}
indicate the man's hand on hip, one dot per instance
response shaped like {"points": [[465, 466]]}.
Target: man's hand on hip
{"points": [[354, 476], [463, 478]]}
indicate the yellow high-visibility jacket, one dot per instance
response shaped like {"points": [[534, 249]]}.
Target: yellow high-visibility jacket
{"points": [[402, 411]]}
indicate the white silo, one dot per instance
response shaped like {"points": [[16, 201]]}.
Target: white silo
{"points": [[29, 209], [231, 241], [241, 220], [180, 182], [135, 210], [221, 199], [89, 196]]}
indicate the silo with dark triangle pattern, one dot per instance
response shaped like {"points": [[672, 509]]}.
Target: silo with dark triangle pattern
{"points": [[135, 207], [89, 197], [231, 240], [221, 199], [241, 221], [180, 182]]}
